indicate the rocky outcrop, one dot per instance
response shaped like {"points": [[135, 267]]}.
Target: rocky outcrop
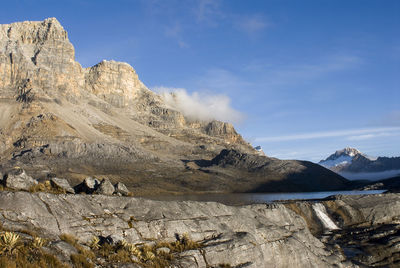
{"points": [[221, 129], [250, 236], [291, 234], [367, 227], [17, 179], [105, 187], [88, 186], [62, 184], [121, 189], [115, 82], [41, 52]]}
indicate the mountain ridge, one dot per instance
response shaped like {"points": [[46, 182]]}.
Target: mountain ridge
{"points": [[59, 119], [351, 163]]}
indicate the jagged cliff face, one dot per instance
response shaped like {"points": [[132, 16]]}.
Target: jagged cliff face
{"points": [[40, 51], [57, 118]]}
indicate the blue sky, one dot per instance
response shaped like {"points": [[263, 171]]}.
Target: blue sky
{"points": [[307, 77]]}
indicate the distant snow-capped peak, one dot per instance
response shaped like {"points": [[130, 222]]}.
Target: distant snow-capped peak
{"points": [[345, 152], [342, 157]]}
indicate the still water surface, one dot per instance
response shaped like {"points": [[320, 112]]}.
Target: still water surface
{"points": [[256, 198]]}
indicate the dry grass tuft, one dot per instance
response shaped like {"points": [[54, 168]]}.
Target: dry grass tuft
{"points": [[120, 256], [182, 243], [19, 252], [8, 242], [94, 244], [70, 239], [46, 187], [73, 241], [80, 261], [29, 253], [38, 242]]}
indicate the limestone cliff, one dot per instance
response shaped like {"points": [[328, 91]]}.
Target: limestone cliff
{"points": [[39, 51], [57, 118]]}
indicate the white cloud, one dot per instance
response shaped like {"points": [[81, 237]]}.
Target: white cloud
{"points": [[389, 119], [221, 79], [306, 71], [200, 106], [251, 24], [208, 10], [372, 136], [350, 133], [175, 32]]}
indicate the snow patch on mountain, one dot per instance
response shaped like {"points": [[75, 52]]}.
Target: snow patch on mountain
{"points": [[340, 158], [340, 161], [343, 158]]}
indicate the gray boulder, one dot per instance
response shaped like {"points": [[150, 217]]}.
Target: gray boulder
{"points": [[115, 238], [91, 183], [120, 188], [63, 184], [88, 186], [105, 187], [17, 179]]}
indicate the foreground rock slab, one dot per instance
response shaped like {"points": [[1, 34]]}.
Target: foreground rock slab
{"points": [[248, 236]]}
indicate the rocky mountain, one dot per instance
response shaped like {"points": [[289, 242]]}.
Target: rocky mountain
{"points": [[353, 164], [59, 119], [340, 158]]}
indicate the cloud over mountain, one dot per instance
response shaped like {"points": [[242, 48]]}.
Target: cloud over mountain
{"points": [[200, 106]]}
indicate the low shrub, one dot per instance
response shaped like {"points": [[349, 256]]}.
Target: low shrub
{"points": [[27, 253], [80, 261], [46, 187]]}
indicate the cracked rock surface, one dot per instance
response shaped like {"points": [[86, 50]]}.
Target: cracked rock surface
{"points": [[248, 236], [288, 234]]}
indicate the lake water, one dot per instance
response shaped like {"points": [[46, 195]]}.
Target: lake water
{"points": [[256, 198]]}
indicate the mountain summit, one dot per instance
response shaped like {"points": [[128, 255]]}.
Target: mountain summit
{"points": [[353, 164], [59, 119], [340, 158]]}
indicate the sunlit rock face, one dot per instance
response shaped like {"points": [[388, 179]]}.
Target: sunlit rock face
{"points": [[41, 52], [115, 82]]}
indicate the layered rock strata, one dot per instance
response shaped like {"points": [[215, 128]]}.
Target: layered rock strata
{"points": [[250, 236], [292, 234]]}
